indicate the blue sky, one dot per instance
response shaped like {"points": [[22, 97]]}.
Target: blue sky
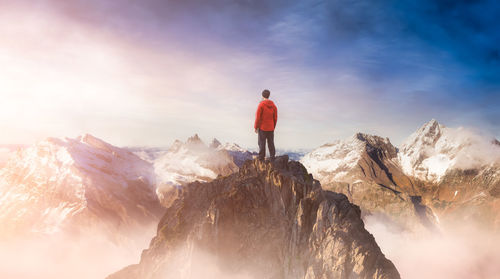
{"points": [[148, 72]]}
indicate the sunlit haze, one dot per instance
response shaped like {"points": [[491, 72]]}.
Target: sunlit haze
{"points": [[149, 72]]}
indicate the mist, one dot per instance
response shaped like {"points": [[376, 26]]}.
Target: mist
{"points": [[64, 256], [477, 148], [191, 262], [461, 251]]}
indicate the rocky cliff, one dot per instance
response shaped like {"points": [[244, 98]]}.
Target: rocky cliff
{"points": [[269, 220], [366, 169], [457, 173]]}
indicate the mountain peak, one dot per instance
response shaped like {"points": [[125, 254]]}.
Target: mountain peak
{"points": [[372, 140], [194, 140], [215, 143], [94, 142], [496, 142], [269, 220], [427, 135], [431, 129]]}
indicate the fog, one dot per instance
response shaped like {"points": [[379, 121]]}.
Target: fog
{"points": [[476, 149], [460, 251], [189, 262], [67, 257]]}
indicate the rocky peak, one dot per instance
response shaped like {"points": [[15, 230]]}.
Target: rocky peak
{"points": [[427, 135], [94, 142], [194, 143], [194, 139], [215, 143], [269, 220], [335, 161], [496, 142], [378, 144]]}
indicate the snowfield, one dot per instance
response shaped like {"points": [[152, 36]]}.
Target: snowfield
{"points": [[433, 150]]}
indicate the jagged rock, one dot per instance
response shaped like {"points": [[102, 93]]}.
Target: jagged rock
{"points": [[365, 168], [440, 174], [496, 142], [457, 173], [194, 140], [215, 143], [269, 220]]}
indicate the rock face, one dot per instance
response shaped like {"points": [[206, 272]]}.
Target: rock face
{"points": [[456, 171], [269, 220], [439, 174], [76, 185], [366, 169]]}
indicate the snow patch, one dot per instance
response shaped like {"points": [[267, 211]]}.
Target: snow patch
{"points": [[434, 149], [335, 158]]}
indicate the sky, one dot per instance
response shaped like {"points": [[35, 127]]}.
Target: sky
{"points": [[152, 71]]}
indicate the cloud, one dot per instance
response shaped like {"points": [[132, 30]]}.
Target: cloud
{"points": [[67, 256], [459, 252]]}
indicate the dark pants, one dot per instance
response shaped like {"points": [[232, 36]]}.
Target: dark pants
{"points": [[269, 136]]}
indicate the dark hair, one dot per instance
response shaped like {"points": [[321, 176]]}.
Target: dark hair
{"points": [[266, 93]]}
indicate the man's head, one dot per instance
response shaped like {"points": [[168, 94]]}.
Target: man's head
{"points": [[266, 93]]}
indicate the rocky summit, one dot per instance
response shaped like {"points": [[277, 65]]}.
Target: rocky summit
{"points": [[268, 220], [365, 168]]}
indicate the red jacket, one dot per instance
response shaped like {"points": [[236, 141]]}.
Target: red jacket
{"points": [[266, 116]]}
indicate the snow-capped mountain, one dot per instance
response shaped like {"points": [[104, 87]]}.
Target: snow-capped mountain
{"points": [[333, 161], [433, 150], [78, 184], [191, 161], [457, 171], [451, 171], [365, 168]]}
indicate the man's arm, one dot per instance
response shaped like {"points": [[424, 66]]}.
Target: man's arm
{"points": [[275, 116], [258, 114]]}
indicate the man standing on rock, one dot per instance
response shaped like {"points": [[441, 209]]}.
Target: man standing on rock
{"points": [[265, 123]]}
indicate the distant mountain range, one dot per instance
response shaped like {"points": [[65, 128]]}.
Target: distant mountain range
{"points": [[76, 185], [439, 174]]}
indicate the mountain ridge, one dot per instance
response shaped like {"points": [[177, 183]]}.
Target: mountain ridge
{"points": [[62, 184], [431, 169], [269, 220]]}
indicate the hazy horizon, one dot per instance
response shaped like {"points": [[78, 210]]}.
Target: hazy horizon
{"points": [[208, 140]]}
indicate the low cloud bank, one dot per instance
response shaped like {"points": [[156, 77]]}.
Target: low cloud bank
{"points": [[459, 252], [66, 257]]}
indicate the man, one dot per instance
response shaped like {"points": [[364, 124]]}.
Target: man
{"points": [[265, 123]]}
